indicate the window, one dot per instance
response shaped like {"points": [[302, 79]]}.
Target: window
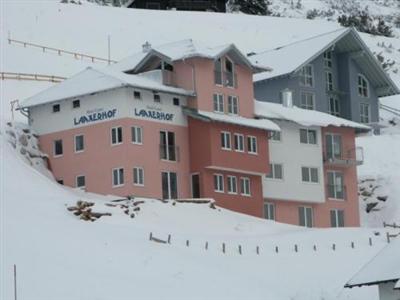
{"points": [[56, 108], [157, 98], [233, 107], [116, 135], [239, 142], [219, 183], [232, 185], [333, 146], [334, 108], [276, 171], [58, 148], [337, 218], [60, 181], [80, 181], [137, 95], [169, 182], [225, 140], [306, 76], [305, 216], [137, 136], [308, 136], [252, 144], [176, 101], [363, 86], [245, 186], [307, 101], [79, 143], [138, 176], [269, 211], [218, 103], [328, 59], [309, 174], [329, 80], [118, 177], [336, 189], [168, 149], [274, 136], [365, 113], [229, 73], [218, 71], [76, 103]]}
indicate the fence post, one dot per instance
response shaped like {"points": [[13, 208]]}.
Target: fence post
{"points": [[352, 245], [370, 241], [333, 247], [206, 245], [187, 243], [315, 247], [223, 247], [276, 249], [387, 237], [169, 239], [15, 282], [258, 250], [240, 249], [151, 236], [296, 248]]}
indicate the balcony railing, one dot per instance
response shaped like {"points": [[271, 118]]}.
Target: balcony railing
{"points": [[168, 152], [225, 79], [337, 192], [353, 157]]}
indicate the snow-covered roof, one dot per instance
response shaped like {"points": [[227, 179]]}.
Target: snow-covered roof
{"points": [[290, 58], [237, 120], [184, 49], [93, 81], [384, 267], [303, 117]]}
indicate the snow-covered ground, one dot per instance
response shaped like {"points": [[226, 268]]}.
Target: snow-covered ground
{"points": [[59, 256]]}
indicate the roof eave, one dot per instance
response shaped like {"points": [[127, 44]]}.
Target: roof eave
{"points": [[370, 283]]}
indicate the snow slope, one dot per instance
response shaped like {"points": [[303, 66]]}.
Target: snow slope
{"points": [[59, 256]]}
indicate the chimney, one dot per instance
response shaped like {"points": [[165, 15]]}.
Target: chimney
{"points": [[287, 99], [146, 47]]}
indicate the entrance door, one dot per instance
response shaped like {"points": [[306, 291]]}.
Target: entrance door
{"points": [[195, 186], [169, 185]]}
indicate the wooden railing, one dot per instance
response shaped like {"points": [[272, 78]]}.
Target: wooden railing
{"points": [[76, 55], [32, 77]]}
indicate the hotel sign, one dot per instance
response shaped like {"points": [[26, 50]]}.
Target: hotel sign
{"points": [[154, 113], [95, 115]]}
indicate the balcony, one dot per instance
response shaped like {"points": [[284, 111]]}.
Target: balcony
{"points": [[225, 78], [169, 152], [336, 192], [353, 157]]}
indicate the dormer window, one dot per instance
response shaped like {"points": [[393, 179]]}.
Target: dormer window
{"points": [[229, 73], [363, 86], [218, 71], [306, 76]]}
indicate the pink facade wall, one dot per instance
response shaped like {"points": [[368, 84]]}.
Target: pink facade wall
{"points": [[100, 157], [287, 211]]}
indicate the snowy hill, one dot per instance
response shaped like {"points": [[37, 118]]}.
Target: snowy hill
{"points": [[57, 254]]}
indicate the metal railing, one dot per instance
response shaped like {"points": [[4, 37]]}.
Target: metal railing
{"points": [[336, 191], [32, 77], [169, 152], [353, 157]]}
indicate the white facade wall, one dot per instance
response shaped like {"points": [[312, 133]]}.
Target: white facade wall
{"points": [[44, 120], [387, 292], [293, 155]]}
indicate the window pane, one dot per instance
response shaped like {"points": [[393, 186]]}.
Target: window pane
{"points": [[115, 177], [303, 136], [278, 172], [114, 135], [312, 137], [174, 185], [333, 218], [302, 218], [314, 174], [121, 176], [309, 217], [119, 129], [305, 175], [340, 218], [79, 143], [58, 147]]}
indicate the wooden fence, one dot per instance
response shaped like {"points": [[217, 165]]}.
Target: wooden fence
{"points": [[76, 55], [33, 77]]}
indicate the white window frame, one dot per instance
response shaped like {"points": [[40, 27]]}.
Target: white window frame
{"points": [[119, 177], [270, 208], [233, 73], [308, 136], [218, 103], [137, 129], [75, 137], [309, 175], [305, 208], [272, 136], [334, 173], [137, 171], [361, 87], [307, 97], [76, 181], [329, 81], [336, 100], [305, 77], [363, 117], [232, 184], [336, 212], [219, 188], [243, 186], [221, 72], [250, 150], [233, 105], [225, 140], [116, 135], [237, 137], [54, 148], [271, 175], [328, 62]]}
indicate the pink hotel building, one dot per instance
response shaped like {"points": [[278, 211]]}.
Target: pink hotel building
{"points": [[180, 121]]}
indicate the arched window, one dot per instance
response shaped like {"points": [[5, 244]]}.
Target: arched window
{"points": [[363, 86]]}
